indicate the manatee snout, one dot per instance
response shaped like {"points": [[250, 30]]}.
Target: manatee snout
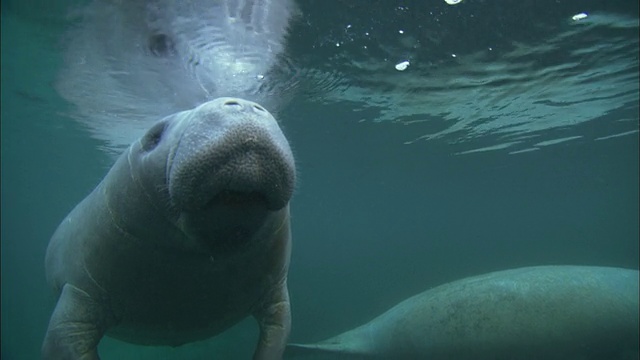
{"points": [[231, 153]]}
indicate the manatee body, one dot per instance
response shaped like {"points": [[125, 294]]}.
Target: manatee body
{"points": [[186, 235], [546, 312]]}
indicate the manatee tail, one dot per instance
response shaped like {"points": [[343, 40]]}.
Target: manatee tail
{"points": [[321, 351]]}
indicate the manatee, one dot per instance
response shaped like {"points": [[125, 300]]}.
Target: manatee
{"points": [[544, 312], [187, 234]]}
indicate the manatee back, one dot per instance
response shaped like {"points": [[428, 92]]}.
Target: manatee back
{"points": [[545, 312], [555, 312]]}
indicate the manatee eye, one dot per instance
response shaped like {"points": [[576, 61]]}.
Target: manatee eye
{"points": [[151, 139], [161, 45]]}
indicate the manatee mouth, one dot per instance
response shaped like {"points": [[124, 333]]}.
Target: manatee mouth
{"points": [[258, 177], [231, 198], [228, 221]]}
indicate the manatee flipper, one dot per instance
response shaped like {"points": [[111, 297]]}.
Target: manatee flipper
{"points": [[76, 326], [274, 320]]}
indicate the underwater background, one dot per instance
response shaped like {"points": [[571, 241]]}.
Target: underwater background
{"points": [[510, 139]]}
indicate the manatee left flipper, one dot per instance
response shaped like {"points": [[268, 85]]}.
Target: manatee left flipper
{"points": [[76, 326], [274, 320]]}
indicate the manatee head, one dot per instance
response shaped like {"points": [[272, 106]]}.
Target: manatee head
{"points": [[220, 171]]}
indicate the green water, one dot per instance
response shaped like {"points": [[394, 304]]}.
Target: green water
{"points": [[374, 220]]}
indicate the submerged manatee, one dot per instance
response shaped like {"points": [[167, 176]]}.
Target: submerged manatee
{"points": [[186, 235], [545, 312]]}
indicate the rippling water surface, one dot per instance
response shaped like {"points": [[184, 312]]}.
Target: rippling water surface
{"points": [[480, 74]]}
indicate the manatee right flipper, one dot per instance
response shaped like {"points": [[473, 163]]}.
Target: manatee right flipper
{"points": [[76, 326], [274, 320]]}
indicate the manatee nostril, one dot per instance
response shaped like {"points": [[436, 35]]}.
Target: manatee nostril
{"points": [[259, 108], [232, 103]]}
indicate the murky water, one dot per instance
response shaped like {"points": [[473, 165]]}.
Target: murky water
{"points": [[509, 139]]}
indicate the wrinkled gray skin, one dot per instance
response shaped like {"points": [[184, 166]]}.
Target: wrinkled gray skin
{"points": [[186, 235], [545, 312]]}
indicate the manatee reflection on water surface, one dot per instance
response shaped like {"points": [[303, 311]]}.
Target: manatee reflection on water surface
{"points": [[478, 75]]}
